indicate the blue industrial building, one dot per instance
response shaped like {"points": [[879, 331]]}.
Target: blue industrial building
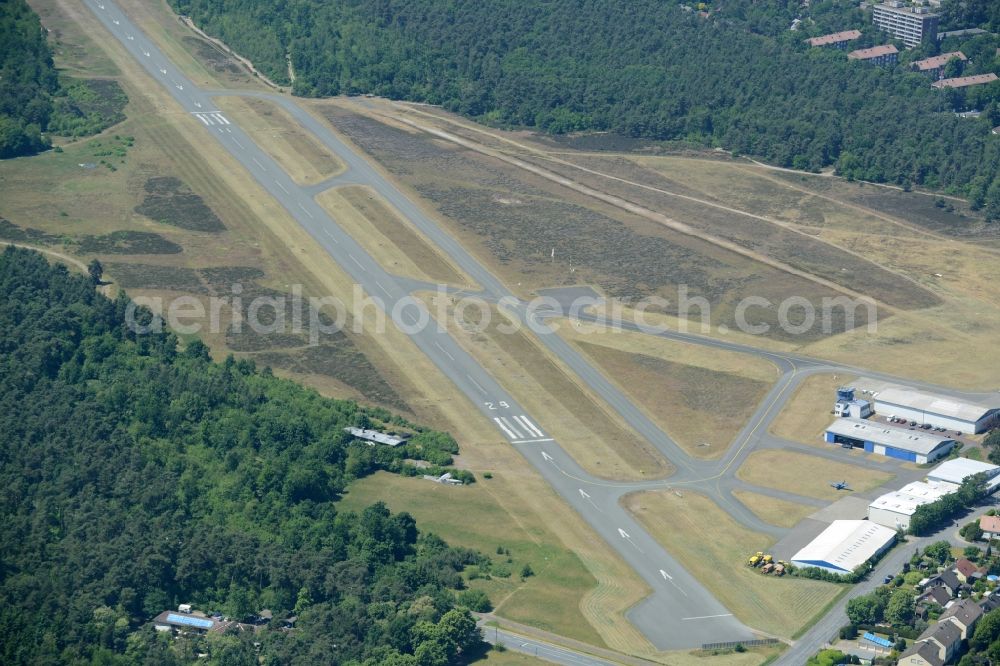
{"points": [[910, 445]]}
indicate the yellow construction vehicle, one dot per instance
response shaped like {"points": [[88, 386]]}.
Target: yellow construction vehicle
{"points": [[755, 559], [767, 559]]}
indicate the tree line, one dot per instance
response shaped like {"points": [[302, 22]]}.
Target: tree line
{"points": [[738, 79], [137, 474], [34, 100], [930, 517]]}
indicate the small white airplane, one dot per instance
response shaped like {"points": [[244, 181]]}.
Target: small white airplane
{"points": [[180, 87], [115, 21], [163, 71], [99, 6], [131, 38], [145, 53]]}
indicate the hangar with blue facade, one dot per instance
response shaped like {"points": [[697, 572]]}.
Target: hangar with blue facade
{"points": [[911, 445]]}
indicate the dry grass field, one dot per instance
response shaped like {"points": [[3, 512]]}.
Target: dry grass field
{"points": [[746, 225], [404, 236], [700, 397], [810, 409], [807, 475], [303, 158], [935, 215], [714, 548], [514, 221], [75, 52], [773, 510], [394, 243], [909, 249]]}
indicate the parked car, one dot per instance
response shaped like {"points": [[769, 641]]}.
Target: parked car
{"points": [[913, 423]]}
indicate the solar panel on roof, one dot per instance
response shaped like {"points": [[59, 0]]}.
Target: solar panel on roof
{"points": [[189, 621], [877, 640]]}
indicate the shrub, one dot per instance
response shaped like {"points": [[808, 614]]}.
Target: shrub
{"points": [[475, 600]]}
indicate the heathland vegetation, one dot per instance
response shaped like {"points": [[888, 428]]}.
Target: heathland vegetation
{"points": [[138, 474], [735, 77]]}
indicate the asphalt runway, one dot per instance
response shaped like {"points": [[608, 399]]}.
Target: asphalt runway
{"points": [[679, 613]]}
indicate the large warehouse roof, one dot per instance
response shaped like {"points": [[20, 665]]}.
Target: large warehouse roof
{"points": [[871, 431], [375, 436], [964, 410], [906, 500], [190, 621], [835, 38], [845, 545], [959, 469]]}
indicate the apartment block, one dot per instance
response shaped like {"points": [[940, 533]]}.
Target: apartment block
{"points": [[911, 25]]}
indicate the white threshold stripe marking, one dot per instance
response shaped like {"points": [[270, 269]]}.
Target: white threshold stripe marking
{"points": [[512, 427], [278, 183], [706, 617], [204, 120], [531, 432], [444, 351], [478, 386], [531, 427], [532, 441], [505, 429]]}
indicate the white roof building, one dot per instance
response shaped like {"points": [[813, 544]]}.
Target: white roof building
{"points": [[375, 437], [845, 545], [958, 470], [935, 409], [896, 508]]}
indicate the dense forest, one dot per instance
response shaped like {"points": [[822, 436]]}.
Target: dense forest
{"points": [[137, 475], [737, 78], [27, 80], [33, 98]]}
